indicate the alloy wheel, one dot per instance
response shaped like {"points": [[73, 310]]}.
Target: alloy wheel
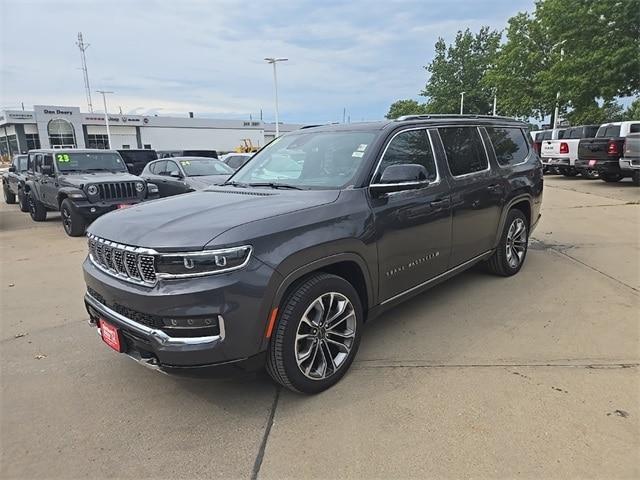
{"points": [[66, 220], [516, 242], [325, 336]]}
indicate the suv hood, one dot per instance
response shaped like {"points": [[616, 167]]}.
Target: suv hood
{"points": [[204, 181], [190, 221], [77, 179]]}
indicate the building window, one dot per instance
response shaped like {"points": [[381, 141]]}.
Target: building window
{"points": [[98, 141], [9, 145], [126, 147], [33, 141], [61, 134], [147, 146]]}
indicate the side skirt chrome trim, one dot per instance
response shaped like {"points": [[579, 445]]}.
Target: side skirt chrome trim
{"points": [[437, 277]]}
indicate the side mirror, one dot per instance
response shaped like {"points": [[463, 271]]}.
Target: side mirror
{"points": [[175, 174], [405, 176], [12, 169], [47, 169]]}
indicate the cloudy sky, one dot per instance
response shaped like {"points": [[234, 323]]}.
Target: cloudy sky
{"points": [[172, 57]]}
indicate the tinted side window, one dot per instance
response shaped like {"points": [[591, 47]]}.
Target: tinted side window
{"points": [[38, 163], [170, 168], [156, 167], [412, 146], [634, 128], [612, 131], [464, 149], [509, 144], [546, 135]]}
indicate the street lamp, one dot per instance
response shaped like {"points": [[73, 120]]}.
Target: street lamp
{"points": [[555, 114], [273, 62], [106, 114], [461, 102]]}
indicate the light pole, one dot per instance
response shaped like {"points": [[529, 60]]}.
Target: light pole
{"points": [[461, 102], [106, 114], [555, 113], [273, 61], [495, 101]]}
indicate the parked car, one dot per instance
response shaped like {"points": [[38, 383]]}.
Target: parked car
{"points": [[630, 160], [552, 134], [82, 184], [603, 152], [562, 154], [136, 160], [187, 153], [185, 174], [13, 182], [281, 272], [236, 160]]}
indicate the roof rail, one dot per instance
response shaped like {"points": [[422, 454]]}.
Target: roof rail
{"points": [[309, 126], [404, 118]]}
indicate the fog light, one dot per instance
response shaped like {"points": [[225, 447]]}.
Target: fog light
{"points": [[92, 209], [190, 322]]}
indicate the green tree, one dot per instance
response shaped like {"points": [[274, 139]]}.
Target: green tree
{"points": [[405, 107], [633, 112], [461, 67]]}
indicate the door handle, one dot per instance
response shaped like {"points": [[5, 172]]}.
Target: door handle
{"points": [[442, 202]]}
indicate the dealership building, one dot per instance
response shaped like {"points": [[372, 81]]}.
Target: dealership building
{"points": [[52, 126]]}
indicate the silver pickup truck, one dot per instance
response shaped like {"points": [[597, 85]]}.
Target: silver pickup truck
{"points": [[630, 161]]}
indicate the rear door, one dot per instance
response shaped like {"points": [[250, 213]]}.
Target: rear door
{"points": [[477, 193], [173, 185]]}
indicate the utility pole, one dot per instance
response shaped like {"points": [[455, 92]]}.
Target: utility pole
{"points": [[344, 114], [83, 47], [106, 114], [461, 102], [555, 113], [273, 61], [495, 101]]}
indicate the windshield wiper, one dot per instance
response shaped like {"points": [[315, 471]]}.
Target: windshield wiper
{"points": [[274, 185], [235, 184]]}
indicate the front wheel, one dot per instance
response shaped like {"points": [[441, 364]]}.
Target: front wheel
{"points": [[74, 224], [317, 334], [9, 196], [508, 258]]}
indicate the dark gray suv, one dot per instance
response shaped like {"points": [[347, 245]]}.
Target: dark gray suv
{"points": [[321, 231]]}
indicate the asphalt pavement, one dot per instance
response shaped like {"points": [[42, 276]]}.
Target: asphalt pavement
{"points": [[535, 376]]}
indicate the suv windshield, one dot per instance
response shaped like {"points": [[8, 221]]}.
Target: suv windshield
{"points": [[197, 167], [322, 160], [94, 161]]}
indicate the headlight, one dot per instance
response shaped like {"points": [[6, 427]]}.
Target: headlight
{"points": [[92, 190], [207, 262], [139, 186]]}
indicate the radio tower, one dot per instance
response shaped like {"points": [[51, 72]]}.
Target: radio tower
{"points": [[83, 47]]}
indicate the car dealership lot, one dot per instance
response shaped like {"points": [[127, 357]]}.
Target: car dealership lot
{"points": [[532, 376]]}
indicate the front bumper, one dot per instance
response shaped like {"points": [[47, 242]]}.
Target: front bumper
{"points": [[239, 300]]}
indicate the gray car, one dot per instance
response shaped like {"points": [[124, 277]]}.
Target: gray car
{"points": [[177, 175], [321, 231]]}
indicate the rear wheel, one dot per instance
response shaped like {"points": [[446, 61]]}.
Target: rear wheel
{"points": [[37, 210], [611, 177], [74, 224], [317, 334], [9, 196], [508, 258]]}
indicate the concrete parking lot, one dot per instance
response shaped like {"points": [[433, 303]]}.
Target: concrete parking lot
{"points": [[536, 376]]}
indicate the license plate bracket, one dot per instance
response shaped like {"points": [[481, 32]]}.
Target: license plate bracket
{"points": [[110, 335]]}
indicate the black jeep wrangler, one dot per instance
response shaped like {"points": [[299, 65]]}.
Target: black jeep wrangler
{"points": [[82, 185], [13, 182], [322, 230]]}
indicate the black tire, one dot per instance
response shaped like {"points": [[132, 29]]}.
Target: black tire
{"points": [[73, 223], [502, 262], [636, 178], [282, 363], [22, 201], [9, 196], [611, 177], [570, 172], [590, 174], [37, 210]]}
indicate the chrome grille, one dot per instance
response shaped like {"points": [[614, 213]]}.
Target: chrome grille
{"points": [[133, 264], [117, 191]]}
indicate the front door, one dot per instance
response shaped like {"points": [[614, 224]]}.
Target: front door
{"points": [[477, 193], [413, 227]]}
